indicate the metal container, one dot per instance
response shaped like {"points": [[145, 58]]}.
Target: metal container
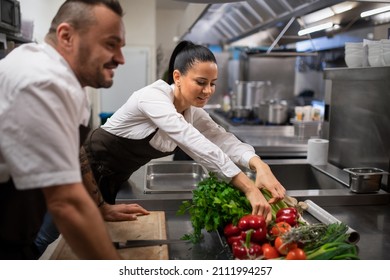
{"points": [[173, 177], [246, 96], [277, 112], [306, 129], [273, 111], [365, 179]]}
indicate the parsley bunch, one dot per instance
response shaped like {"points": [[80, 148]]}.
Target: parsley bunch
{"points": [[214, 204]]}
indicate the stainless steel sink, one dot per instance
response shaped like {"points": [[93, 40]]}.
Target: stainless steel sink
{"points": [[325, 185], [303, 176]]}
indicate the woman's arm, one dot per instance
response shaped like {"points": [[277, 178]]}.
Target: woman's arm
{"points": [[266, 179]]}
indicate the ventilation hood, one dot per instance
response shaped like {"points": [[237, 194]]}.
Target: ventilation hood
{"points": [[225, 22]]}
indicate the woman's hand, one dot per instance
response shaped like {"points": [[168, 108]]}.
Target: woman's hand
{"points": [[266, 179], [122, 212], [259, 204]]}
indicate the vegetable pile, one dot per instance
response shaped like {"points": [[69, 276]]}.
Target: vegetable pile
{"points": [[218, 206]]}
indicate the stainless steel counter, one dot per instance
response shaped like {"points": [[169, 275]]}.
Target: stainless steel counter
{"points": [[368, 214], [269, 141]]}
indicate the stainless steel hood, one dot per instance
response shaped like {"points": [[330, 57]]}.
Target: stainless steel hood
{"points": [[225, 23]]}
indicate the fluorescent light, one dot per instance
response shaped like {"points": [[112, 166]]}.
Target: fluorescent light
{"points": [[315, 28], [318, 15], [375, 11], [343, 7]]}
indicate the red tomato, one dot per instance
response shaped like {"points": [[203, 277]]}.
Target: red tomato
{"points": [[269, 251], [280, 228], [284, 248], [296, 254]]}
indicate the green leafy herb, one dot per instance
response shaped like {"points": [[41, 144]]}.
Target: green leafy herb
{"points": [[323, 242], [214, 204]]}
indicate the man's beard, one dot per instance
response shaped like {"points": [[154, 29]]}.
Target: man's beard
{"points": [[93, 79]]}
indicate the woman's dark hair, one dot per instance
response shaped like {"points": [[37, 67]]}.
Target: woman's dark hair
{"points": [[185, 55], [79, 15]]}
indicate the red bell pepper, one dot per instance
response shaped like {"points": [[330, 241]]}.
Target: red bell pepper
{"points": [[242, 252], [247, 250], [231, 230], [257, 224], [289, 215]]}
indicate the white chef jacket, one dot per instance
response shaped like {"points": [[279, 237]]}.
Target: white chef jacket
{"points": [[42, 105], [195, 133]]}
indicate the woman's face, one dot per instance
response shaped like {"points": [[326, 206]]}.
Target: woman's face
{"points": [[195, 87]]}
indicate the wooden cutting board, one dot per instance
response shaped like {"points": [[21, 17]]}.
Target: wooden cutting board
{"points": [[150, 226]]}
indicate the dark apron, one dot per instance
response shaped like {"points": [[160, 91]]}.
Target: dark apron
{"points": [[21, 215], [113, 159]]}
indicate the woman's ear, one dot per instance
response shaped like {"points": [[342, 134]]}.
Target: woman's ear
{"points": [[176, 77]]}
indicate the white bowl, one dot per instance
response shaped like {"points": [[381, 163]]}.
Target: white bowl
{"points": [[386, 58], [353, 60], [375, 60], [358, 45]]}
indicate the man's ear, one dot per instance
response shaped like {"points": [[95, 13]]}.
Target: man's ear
{"points": [[65, 36]]}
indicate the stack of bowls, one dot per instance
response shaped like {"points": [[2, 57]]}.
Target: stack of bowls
{"points": [[385, 43], [374, 53], [354, 54]]}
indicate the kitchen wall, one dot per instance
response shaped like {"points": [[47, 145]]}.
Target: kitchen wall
{"points": [[146, 27]]}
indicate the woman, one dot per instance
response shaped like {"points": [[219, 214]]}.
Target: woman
{"points": [[163, 116]]}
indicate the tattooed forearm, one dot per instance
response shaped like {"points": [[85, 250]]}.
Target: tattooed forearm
{"points": [[84, 162], [89, 180]]}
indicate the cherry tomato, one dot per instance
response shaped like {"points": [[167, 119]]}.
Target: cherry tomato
{"points": [[280, 228], [284, 248], [296, 254], [269, 251]]}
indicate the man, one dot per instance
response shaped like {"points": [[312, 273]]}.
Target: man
{"points": [[42, 105]]}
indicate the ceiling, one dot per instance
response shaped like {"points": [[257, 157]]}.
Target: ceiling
{"points": [[171, 4], [224, 23]]}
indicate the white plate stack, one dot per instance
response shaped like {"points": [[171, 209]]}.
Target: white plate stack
{"points": [[378, 52], [385, 43], [374, 52], [355, 54]]}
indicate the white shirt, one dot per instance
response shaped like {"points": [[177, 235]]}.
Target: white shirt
{"points": [[41, 107], [195, 133]]}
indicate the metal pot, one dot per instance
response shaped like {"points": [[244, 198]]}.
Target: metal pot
{"points": [[277, 112], [246, 96], [273, 111]]}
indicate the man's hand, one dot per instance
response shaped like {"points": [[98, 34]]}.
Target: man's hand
{"points": [[122, 212]]}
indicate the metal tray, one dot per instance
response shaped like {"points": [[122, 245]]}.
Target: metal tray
{"points": [[365, 179], [173, 177]]}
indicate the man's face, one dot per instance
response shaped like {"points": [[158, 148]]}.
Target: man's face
{"points": [[98, 50]]}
